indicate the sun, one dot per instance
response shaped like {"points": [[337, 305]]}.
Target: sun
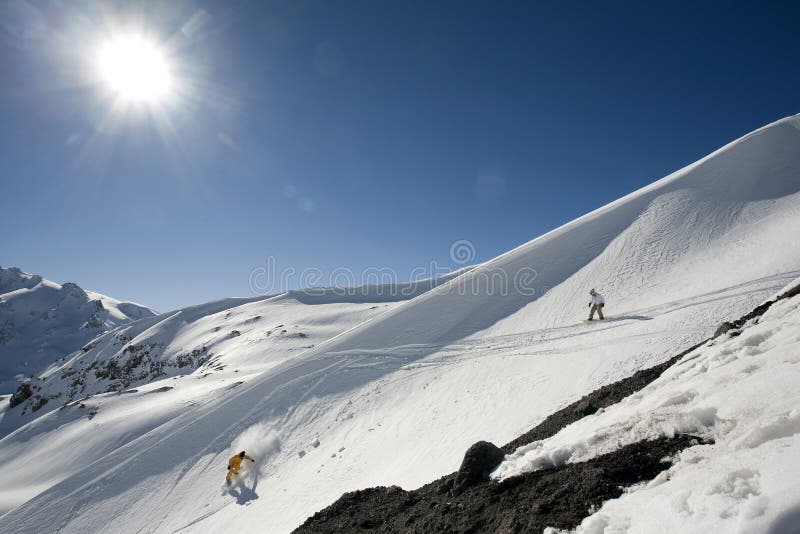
{"points": [[134, 69]]}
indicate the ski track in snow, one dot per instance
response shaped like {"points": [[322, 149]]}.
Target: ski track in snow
{"points": [[739, 391], [394, 392]]}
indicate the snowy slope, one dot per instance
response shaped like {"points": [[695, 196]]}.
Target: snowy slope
{"points": [[41, 321], [139, 375], [739, 391], [398, 399], [207, 337]]}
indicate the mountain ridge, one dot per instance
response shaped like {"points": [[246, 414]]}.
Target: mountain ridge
{"points": [[43, 321], [393, 393]]}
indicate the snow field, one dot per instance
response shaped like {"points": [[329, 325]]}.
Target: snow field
{"points": [[397, 396], [741, 392]]}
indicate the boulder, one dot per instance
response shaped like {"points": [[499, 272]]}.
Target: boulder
{"points": [[479, 461]]}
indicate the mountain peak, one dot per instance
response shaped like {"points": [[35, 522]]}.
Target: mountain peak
{"points": [[43, 321], [73, 290], [348, 393], [13, 278]]}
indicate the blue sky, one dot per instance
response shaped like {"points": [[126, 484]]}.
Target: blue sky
{"points": [[358, 134]]}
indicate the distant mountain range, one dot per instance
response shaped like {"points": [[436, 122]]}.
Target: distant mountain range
{"points": [[130, 431], [42, 321]]}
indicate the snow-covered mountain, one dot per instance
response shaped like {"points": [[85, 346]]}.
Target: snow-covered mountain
{"points": [[235, 337], [698, 443], [739, 394], [41, 321], [394, 392]]}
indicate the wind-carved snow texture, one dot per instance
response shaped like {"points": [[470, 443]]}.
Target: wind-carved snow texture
{"points": [[559, 493], [680, 401], [395, 392], [744, 386]]}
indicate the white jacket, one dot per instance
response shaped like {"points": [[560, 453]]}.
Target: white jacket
{"points": [[597, 298]]}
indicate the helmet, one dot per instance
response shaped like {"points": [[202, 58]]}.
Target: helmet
{"points": [[592, 292], [241, 454]]}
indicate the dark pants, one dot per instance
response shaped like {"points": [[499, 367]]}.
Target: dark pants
{"points": [[596, 308]]}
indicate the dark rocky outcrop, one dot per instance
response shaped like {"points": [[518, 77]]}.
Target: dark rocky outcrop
{"points": [[479, 461], [613, 393], [723, 328], [28, 391], [594, 401], [23, 393], [756, 312], [559, 497]]}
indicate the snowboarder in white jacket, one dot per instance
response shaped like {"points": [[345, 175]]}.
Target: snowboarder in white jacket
{"points": [[596, 305]]}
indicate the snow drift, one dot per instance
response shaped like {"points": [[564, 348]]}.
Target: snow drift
{"points": [[395, 397]]}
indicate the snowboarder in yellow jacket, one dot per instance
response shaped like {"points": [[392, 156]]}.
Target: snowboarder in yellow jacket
{"points": [[234, 464]]}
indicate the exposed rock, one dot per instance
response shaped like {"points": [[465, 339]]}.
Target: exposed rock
{"points": [[89, 346], [593, 402], [162, 389], [723, 328], [37, 402], [479, 461], [95, 321], [23, 393], [71, 289], [559, 497]]}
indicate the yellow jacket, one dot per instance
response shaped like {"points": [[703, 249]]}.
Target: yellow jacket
{"points": [[236, 461]]}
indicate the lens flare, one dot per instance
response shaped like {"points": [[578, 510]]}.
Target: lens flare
{"points": [[134, 69]]}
